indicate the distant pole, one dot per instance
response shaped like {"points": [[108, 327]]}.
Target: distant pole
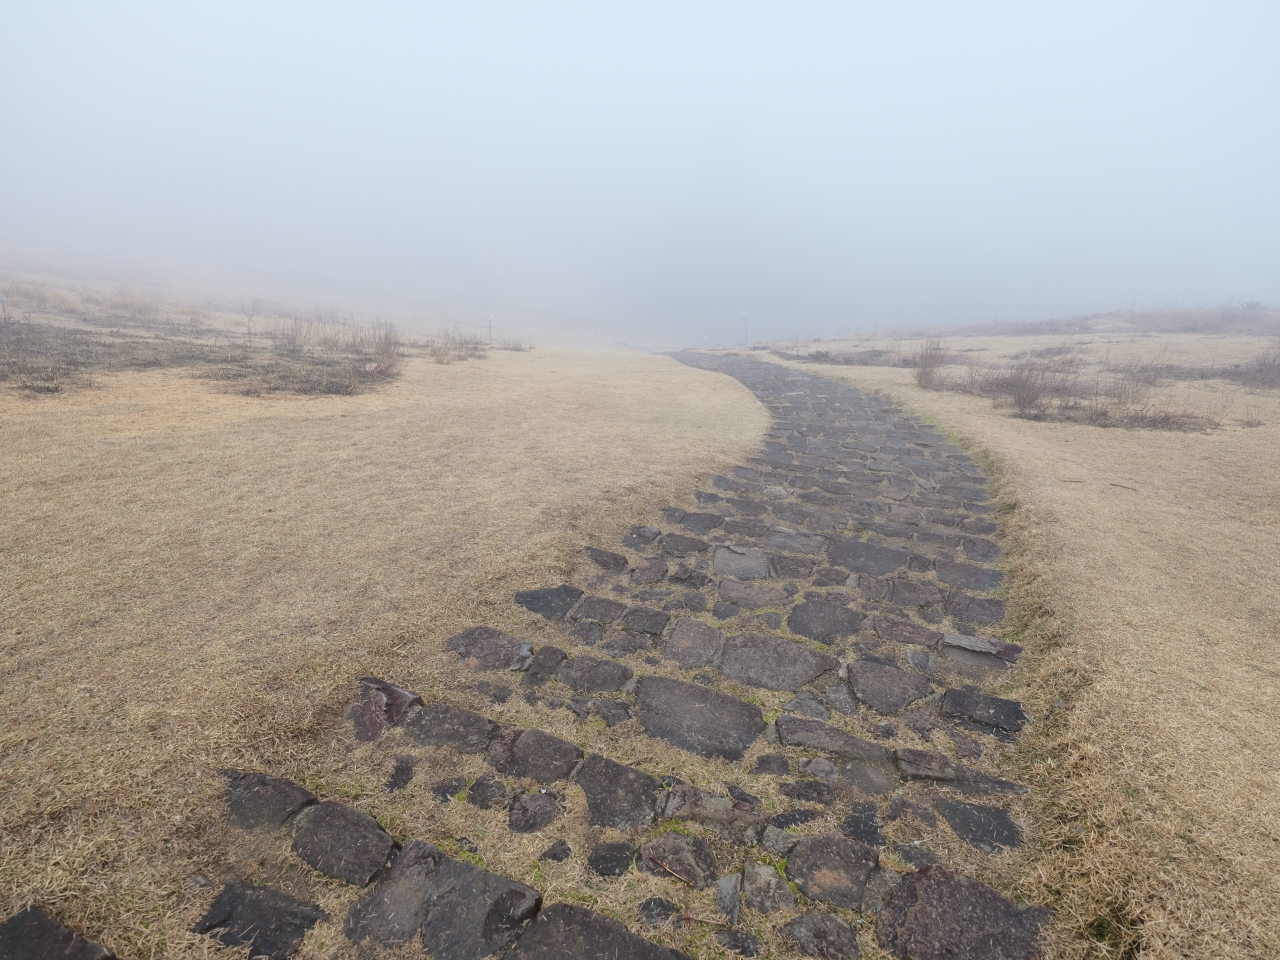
{"points": [[745, 341]]}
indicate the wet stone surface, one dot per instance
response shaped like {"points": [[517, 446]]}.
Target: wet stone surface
{"points": [[269, 922], [617, 796], [259, 801], [832, 868], [822, 935], [31, 934], [698, 719], [774, 663], [341, 841]]}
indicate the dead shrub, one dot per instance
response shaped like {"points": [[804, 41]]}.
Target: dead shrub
{"points": [[928, 360]]}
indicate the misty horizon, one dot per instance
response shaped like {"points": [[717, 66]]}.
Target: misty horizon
{"points": [[650, 175]]}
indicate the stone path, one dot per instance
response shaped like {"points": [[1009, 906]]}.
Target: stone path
{"points": [[846, 572]]}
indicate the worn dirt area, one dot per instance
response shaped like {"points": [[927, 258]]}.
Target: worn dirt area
{"points": [[1145, 561], [192, 580]]}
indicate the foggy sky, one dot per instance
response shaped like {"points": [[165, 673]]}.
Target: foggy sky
{"points": [[654, 172]]}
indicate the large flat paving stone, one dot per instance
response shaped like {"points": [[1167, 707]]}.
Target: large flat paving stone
{"points": [[682, 855], [679, 545], [259, 801], [934, 914], [751, 596], [599, 610], [693, 643], [966, 576], [990, 712], [471, 913], [697, 719], [269, 922], [974, 609], [763, 889], [793, 541], [990, 829], [885, 688], [824, 620], [381, 705], [742, 563], [832, 868], [554, 603], [392, 911], [593, 675], [859, 556], [606, 559], [807, 732], [822, 935], [533, 753], [760, 660], [444, 725], [567, 932], [617, 795], [531, 811], [484, 648], [31, 934], [341, 841]]}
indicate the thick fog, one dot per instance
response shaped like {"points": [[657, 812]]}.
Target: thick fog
{"points": [[651, 173]]}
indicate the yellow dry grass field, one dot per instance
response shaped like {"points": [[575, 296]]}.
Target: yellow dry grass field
{"points": [[1144, 572], [192, 579]]}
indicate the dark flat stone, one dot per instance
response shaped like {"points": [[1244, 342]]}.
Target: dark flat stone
{"points": [[591, 675], [392, 911], [673, 514], [687, 857], [558, 852], [531, 811], [611, 711], [916, 856], [830, 577], [693, 643], [863, 824], [742, 563], [966, 747], [704, 721], [258, 801], [763, 889], [924, 765], [792, 568], [832, 868], [270, 923], [822, 935], [648, 571], [808, 791], [886, 689], [729, 896], [1009, 652], [974, 610], [31, 934], [701, 524], [551, 602], [606, 560], [859, 556], [987, 828], [912, 593], [612, 859], [760, 660], [535, 754], [823, 620], [838, 698], [725, 611], [983, 551], [750, 529], [443, 725], [784, 540], [739, 942], [688, 576], [776, 764], [992, 712], [484, 648], [751, 596], [968, 577], [487, 792], [807, 705], [794, 818], [639, 537], [381, 705], [805, 732], [617, 795], [446, 790], [599, 609], [644, 620], [544, 664], [402, 774], [341, 842], [586, 633], [471, 913], [624, 643], [656, 911], [933, 914], [677, 544], [737, 820], [567, 932]]}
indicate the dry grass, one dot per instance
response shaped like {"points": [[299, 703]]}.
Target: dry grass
{"points": [[1143, 581], [191, 580]]}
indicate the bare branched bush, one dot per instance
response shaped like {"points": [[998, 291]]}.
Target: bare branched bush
{"points": [[448, 345], [928, 360]]}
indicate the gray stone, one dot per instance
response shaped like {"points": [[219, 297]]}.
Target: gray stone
{"points": [[804, 732], [873, 778], [694, 718], [831, 577], [648, 571], [735, 819], [794, 818], [656, 911], [840, 699], [487, 792], [752, 529], [791, 568], [447, 790], [258, 801], [567, 932], [990, 712], [915, 854], [599, 610], [558, 852], [606, 560], [808, 791], [626, 642], [640, 537], [822, 935], [763, 890], [903, 631], [644, 620], [987, 828], [823, 620], [996, 648], [968, 577], [471, 913], [535, 754], [923, 765], [772, 662], [740, 942], [785, 540], [743, 563], [31, 934], [862, 557], [442, 725], [402, 774], [863, 824], [773, 763], [611, 711], [554, 603], [832, 868], [923, 661], [777, 841], [752, 596], [884, 688], [677, 544], [381, 705], [586, 633], [966, 747], [729, 896], [807, 705], [973, 609], [775, 493], [531, 811], [686, 857], [617, 795], [612, 859], [341, 841], [933, 914], [693, 643], [879, 887], [910, 593], [392, 911], [725, 611], [701, 523], [983, 551], [592, 675], [270, 923], [819, 767], [544, 664], [484, 648]]}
